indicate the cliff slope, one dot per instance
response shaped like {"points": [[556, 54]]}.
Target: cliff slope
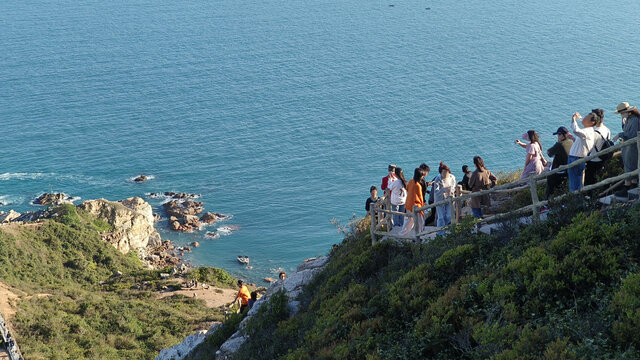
{"points": [[567, 288]]}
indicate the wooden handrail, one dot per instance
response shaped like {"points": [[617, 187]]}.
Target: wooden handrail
{"points": [[517, 185]]}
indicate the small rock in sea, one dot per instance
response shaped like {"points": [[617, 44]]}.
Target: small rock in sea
{"points": [[427, 8], [156, 217], [391, 5], [141, 178], [195, 244], [210, 218], [212, 235], [269, 280]]}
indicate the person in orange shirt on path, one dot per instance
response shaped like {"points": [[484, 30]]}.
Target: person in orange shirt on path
{"points": [[414, 197], [244, 295]]}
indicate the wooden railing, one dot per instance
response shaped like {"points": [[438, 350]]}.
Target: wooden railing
{"points": [[382, 209]]}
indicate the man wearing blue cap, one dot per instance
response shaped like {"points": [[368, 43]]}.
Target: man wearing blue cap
{"points": [[560, 153]]}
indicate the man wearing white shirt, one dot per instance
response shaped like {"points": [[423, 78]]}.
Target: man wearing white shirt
{"points": [[583, 144], [601, 133]]}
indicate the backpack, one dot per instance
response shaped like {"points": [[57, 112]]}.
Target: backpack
{"points": [[607, 143]]}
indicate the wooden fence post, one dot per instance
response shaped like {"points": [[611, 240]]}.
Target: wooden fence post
{"points": [[534, 198], [388, 216], [638, 156], [374, 225], [459, 205], [415, 223]]}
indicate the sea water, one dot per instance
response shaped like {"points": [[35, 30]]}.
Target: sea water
{"points": [[282, 114]]}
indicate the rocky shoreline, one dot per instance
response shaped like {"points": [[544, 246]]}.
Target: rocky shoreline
{"points": [[132, 228]]}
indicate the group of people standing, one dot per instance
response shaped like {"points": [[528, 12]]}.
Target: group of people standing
{"points": [[404, 195], [592, 137]]}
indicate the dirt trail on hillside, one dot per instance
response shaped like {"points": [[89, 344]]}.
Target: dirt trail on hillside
{"points": [[213, 297], [7, 295]]}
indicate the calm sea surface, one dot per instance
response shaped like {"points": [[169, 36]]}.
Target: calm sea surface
{"points": [[283, 113]]}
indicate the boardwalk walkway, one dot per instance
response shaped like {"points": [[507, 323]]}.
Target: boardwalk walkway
{"points": [[381, 213]]}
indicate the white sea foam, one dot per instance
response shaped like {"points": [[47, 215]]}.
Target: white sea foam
{"points": [[212, 235], [11, 200], [227, 229], [22, 176]]}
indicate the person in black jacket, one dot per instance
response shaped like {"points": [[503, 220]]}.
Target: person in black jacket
{"points": [[560, 153]]}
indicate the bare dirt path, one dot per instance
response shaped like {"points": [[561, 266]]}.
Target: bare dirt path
{"points": [[7, 296], [213, 297]]}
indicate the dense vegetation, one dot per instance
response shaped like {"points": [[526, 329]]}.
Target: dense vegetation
{"points": [[72, 305], [567, 288]]}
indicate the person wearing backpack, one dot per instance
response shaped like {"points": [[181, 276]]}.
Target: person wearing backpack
{"points": [[601, 142], [630, 125]]}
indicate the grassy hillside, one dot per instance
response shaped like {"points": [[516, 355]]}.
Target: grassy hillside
{"points": [[71, 306], [568, 288]]}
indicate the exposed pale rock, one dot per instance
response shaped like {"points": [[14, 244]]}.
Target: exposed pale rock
{"points": [[132, 220], [9, 216]]}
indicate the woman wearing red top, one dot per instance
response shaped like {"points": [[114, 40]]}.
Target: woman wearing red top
{"points": [[414, 197]]}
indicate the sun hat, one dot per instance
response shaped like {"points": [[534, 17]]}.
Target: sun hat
{"points": [[561, 130], [392, 167], [624, 107]]}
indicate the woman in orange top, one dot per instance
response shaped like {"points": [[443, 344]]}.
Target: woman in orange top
{"points": [[414, 197]]}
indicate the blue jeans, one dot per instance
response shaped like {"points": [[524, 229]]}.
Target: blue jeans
{"points": [[477, 213], [575, 174], [398, 220], [444, 216]]}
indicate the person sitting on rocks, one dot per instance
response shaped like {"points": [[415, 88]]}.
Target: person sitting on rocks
{"points": [[243, 294], [254, 298], [282, 275]]}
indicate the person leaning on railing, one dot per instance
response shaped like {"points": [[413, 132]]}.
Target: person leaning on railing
{"points": [[445, 188], [414, 198], [560, 153], [581, 147], [398, 193], [481, 179], [630, 125], [602, 133]]}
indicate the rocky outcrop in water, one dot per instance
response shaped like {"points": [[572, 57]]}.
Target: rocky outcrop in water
{"points": [[53, 198], [180, 209], [141, 178], [132, 220], [210, 218]]}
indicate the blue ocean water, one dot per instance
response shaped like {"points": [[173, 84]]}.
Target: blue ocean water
{"points": [[282, 114]]}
